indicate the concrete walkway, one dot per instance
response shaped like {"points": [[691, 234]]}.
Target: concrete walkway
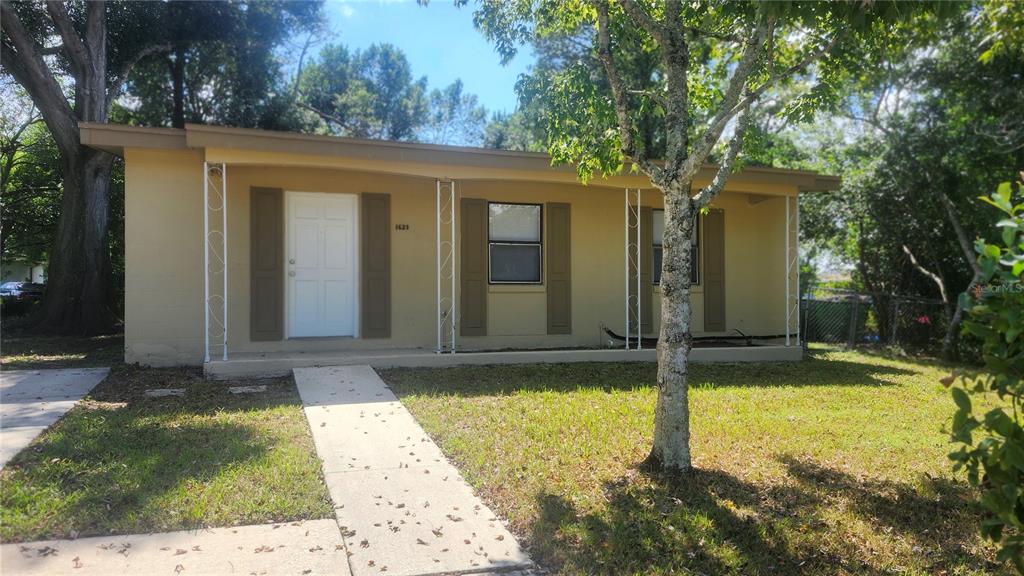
{"points": [[32, 400], [402, 508], [313, 547]]}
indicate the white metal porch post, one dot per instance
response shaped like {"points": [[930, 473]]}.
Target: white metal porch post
{"points": [[797, 256], [785, 269], [210, 300], [206, 262], [631, 261], [447, 267]]}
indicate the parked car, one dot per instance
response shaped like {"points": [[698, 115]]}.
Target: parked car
{"points": [[20, 292]]}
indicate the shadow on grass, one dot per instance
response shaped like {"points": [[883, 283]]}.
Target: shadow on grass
{"points": [[507, 379], [711, 522], [21, 350], [937, 515], [120, 462]]}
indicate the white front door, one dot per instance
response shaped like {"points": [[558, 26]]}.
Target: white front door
{"points": [[321, 264]]}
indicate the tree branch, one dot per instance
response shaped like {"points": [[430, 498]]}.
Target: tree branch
{"points": [[928, 273], [640, 15], [676, 59], [961, 235], [117, 82], [27, 67], [805, 62], [730, 105], [709, 192], [626, 143], [52, 50], [74, 48]]}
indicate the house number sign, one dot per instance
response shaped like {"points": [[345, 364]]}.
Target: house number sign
{"points": [[401, 226]]}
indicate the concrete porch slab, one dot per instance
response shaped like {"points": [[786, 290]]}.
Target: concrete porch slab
{"points": [[272, 364]]}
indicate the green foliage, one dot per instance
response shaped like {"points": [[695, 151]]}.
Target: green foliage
{"points": [[455, 117], [1003, 21], [928, 126], [515, 131], [366, 94], [570, 91], [30, 164], [225, 57], [993, 442]]}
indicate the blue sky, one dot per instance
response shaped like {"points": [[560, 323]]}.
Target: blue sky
{"points": [[439, 40]]}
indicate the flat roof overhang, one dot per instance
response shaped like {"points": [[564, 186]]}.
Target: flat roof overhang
{"points": [[244, 146]]}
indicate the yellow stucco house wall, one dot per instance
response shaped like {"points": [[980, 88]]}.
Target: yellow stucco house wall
{"points": [[165, 241]]}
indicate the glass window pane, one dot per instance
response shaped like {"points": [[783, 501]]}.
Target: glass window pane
{"points": [[515, 263], [515, 222], [658, 229]]}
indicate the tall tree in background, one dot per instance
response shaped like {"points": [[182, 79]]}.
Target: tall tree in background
{"points": [[94, 46], [714, 60], [366, 94], [455, 117], [30, 180], [224, 67], [936, 129], [90, 50]]}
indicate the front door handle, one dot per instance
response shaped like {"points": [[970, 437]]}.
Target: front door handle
{"points": [[291, 260], [292, 273]]}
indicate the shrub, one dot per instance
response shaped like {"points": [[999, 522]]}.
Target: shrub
{"points": [[992, 450]]}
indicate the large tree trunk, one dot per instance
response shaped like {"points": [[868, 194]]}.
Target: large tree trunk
{"points": [[671, 447], [78, 284]]}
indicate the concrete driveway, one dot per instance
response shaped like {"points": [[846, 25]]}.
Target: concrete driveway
{"points": [[32, 400]]}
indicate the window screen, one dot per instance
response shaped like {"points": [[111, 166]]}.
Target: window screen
{"points": [[658, 234], [514, 243]]}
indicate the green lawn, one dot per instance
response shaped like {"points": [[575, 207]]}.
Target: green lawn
{"points": [[20, 350], [121, 463], [833, 465]]}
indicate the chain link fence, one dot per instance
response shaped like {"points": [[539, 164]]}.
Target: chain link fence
{"points": [[851, 319]]}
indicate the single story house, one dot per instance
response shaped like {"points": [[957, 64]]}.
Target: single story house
{"points": [[249, 249]]}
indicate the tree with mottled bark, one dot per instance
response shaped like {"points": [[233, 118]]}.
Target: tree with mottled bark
{"points": [[715, 60], [51, 49]]}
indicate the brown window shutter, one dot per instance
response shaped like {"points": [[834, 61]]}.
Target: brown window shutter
{"points": [[646, 280], [266, 264], [375, 266], [559, 287], [714, 271], [473, 268]]}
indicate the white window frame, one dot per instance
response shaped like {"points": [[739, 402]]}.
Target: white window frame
{"points": [[539, 244]]}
